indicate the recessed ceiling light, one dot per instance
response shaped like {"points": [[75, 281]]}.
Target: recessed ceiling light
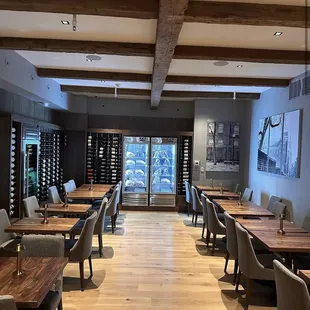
{"points": [[239, 66], [87, 59], [93, 58], [220, 63], [278, 33], [65, 22]]}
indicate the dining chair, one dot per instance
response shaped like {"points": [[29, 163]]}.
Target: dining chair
{"points": [[6, 239], [215, 227], [112, 208], [247, 195], [251, 266], [53, 195], [67, 187], [278, 209], [292, 291], [73, 185], [30, 205], [236, 189], [204, 214], [7, 302], [196, 204], [99, 227], [188, 197], [78, 250], [46, 246], [272, 201]]}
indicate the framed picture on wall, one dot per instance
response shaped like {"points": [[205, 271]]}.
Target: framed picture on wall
{"points": [[279, 144], [223, 146]]}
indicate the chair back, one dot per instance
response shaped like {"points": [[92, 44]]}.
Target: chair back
{"points": [[236, 189], [231, 242], [7, 302], [188, 197], [4, 223], [278, 209], [53, 195], [204, 209], [73, 185], [43, 246], [99, 227], [247, 195], [83, 247], [292, 291], [272, 201], [306, 222], [67, 187], [118, 197], [30, 205], [112, 204], [214, 224], [196, 203]]}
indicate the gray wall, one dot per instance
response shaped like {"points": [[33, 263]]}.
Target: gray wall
{"points": [[220, 110], [294, 192]]}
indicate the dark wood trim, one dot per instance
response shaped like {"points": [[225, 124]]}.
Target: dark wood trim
{"points": [[169, 26], [166, 93], [35, 122], [210, 12], [171, 79]]}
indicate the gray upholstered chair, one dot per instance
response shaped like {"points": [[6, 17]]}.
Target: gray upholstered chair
{"points": [[53, 195], [67, 187], [188, 196], [214, 225], [81, 249], [196, 204], [46, 246], [112, 207], [30, 205], [7, 302], [99, 227], [272, 201], [236, 189], [251, 266], [73, 185], [204, 214], [247, 195], [278, 209], [6, 239], [292, 291]]}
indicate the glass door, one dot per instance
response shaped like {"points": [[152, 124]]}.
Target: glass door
{"points": [[136, 170]]}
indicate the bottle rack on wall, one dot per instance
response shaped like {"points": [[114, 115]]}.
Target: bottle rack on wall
{"points": [[185, 162], [104, 158], [50, 161]]}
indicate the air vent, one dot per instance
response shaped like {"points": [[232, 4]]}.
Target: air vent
{"points": [[300, 86]]}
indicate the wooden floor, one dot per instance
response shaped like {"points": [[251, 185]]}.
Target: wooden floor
{"points": [[156, 260]]}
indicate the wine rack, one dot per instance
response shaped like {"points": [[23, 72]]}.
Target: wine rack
{"points": [[185, 162], [104, 158], [14, 193], [50, 161]]}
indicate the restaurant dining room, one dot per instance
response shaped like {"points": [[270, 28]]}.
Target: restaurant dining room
{"points": [[154, 155]]}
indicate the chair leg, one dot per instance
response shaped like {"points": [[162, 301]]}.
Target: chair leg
{"points": [[187, 204], [196, 217], [203, 229], [112, 223], [208, 237], [82, 275], [115, 217], [90, 266], [235, 270], [214, 242], [226, 263], [248, 290], [238, 280], [60, 305], [100, 244], [193, 216]]}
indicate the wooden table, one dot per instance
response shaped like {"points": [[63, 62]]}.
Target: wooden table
{"points": [[29, 290], [73, 208], [83, 194], [96, 187], [30, 225], [217, 195], [305, 275], [246, 209], [295, 240], [210, 188]]}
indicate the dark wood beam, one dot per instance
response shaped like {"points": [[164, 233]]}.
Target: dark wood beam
{"points": [[198, 11], [171, 79], [147, 50], [236, 13], [77, 46], [169, 25], [165, 93]]}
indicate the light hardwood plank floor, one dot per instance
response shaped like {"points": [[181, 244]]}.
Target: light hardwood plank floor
{"points": [[156, 260]]}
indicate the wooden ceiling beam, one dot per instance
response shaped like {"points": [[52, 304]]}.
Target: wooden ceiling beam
{"points": [[147, 50], [212, 12], [165, 93], [171, 79], [169, 25]]}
